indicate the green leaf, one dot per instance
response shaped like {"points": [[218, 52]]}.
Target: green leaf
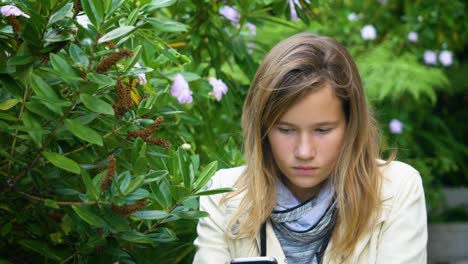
{"points": [[90, 188], [33, 126], [162, 193], [20, 60], [136, 237], [61, 13], [41, 88], [191, 214], [66, 191], [151, 214], [51, 203], [162, 3], [137, 195], [89, 216], [62, 162], [85, 133], [7, 104], [163, 235], [6, 229], [60, 64], [78, 56], [166, 25], [140, 166], [137, 182], [114, 5], [96, 105], [206, 175], [116, 33], [134, 59], [100, 79], [94, 11], [40, 247], [214, 191], [125, 182]]}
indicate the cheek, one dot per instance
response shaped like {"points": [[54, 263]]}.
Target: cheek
{"points": [[279, 145]]}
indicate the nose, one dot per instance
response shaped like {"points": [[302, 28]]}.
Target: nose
{"points": [[305, 147]]}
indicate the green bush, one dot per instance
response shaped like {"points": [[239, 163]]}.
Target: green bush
{"points": [[100, 163]]}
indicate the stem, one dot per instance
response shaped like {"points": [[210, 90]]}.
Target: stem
{"points": [[69, 258], [37, 198], [44, 146], [155, 225], [13, 144]]}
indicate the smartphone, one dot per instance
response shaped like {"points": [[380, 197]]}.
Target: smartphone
{"points": [[254, 260]]}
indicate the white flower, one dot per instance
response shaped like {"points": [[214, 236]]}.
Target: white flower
{"points": [[219, 88], [83, 20], [396, 126], [186, 146], [368, 32], [413, 36], [445, 58], [353, 17], [12, 10], [430, 57]]}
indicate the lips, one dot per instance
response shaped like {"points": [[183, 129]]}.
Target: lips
{"points": [[305, 170]]}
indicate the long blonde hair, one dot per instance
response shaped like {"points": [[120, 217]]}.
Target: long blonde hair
{"points": [[293, 68]]}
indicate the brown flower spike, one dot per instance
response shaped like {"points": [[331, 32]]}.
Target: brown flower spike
{"points": [[16, 28], [128, 209], [111, 169], [112, 59], [124, 99], [146, 133]]}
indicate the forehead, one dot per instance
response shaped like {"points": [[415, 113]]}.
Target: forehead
{"points": [[317, 106]]}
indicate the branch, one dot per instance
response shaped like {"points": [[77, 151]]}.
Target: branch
{"points": [[37, 198]]}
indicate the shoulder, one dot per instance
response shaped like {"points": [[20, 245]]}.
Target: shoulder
{"points": [[398, 177], [226, 177]]}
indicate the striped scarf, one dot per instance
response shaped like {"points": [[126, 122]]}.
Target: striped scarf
{"points": [[304, 229]]}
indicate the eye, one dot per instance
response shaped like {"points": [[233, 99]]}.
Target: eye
{"points": [[285, 130], [323, 130]]}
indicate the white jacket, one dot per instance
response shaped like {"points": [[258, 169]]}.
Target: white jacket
{"points": [[400, 235]]}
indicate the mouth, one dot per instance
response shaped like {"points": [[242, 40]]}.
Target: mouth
{"points": [[305, 170]]}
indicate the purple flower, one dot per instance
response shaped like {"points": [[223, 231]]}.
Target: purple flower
{"points": [[413, 36], [353, 17], [383, 2], [293, 10], [181, 90], [368, 32], [445, 57], [231, 14], [430, 57], [219, 88], [12, 10], [251, 47], [141, 76], [252, 28], [396, 127]]}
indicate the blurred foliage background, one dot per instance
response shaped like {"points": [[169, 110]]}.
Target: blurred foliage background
{"points": [[105, 148]]}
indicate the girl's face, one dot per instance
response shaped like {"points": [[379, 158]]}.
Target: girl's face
{"points": [[306, 141]]}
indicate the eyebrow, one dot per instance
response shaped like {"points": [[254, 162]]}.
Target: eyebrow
{"points": [[324, 123]]}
